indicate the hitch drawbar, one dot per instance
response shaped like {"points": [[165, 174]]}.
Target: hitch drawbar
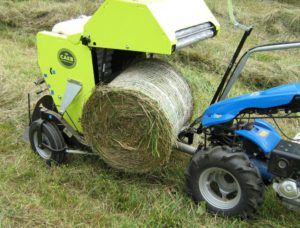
{"points": [[185, 148]]}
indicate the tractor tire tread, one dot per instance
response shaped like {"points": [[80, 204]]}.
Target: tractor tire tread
{"points": [[224, 157]]}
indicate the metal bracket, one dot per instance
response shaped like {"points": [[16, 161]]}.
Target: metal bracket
{"points": [[29, 108], [69, 151], [39, 134], [188, 134], [234, 20], [51, 115], [73, 89], [52, 149]]}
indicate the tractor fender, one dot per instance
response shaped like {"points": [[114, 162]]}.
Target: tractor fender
{"points": [[263, 134]]}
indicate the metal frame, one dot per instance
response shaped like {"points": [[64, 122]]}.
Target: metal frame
{"points": [[247, 32], [50, 115], [56, 117], [228, 81], [83, 148], [241, 64], [220, 89]]}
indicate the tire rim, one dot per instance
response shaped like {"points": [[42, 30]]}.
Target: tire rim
{"points": [[44, 153], [219, 188]]}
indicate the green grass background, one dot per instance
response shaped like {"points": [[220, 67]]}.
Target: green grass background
{"points": [[86, 192]]}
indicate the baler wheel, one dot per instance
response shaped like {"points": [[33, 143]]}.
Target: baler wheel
{"points": [[51, 137]]}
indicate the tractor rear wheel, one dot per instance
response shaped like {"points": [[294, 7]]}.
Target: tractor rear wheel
{"points": [[51, 136], [227, 181]]}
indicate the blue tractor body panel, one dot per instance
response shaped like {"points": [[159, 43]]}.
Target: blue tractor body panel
{"points": [[225, 111], [263, 134], [263, 169]]}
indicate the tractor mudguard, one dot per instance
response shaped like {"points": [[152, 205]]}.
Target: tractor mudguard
{"points": [[263, 134], [225, 111]]}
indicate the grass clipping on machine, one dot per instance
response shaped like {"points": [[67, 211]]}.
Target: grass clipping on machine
{"points": [[133, 122]]}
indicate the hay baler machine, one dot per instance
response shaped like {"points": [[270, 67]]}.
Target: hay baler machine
{"points": [[240, 153], [79, 54]]}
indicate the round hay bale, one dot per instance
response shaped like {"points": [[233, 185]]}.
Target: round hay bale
{"points": [[133, 122]]}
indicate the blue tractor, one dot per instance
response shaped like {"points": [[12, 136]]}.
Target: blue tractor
{"points": [[242, 152]]}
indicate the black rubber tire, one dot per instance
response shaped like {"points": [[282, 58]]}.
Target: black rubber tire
{"points": [[54, 136], [240, 167]]}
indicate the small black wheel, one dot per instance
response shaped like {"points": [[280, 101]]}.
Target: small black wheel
{"points": [[227, 181], [51, 136]]}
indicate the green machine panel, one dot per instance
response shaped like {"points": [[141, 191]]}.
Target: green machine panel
{"points": [[153, 26], [61, 61]]}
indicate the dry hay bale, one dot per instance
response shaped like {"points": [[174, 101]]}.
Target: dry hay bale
{"points": [[133, 122]]}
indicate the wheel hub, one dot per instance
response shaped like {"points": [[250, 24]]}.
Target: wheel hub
{"points": [[43, 152], [219, 188]]}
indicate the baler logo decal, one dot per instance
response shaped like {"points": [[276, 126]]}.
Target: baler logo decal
{"points": [[67, 58]]}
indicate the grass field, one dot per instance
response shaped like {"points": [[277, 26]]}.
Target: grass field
{"points": [[86, 192]]}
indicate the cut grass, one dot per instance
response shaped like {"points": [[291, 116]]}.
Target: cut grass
{"points": [[86, 192], [35, 15]]}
